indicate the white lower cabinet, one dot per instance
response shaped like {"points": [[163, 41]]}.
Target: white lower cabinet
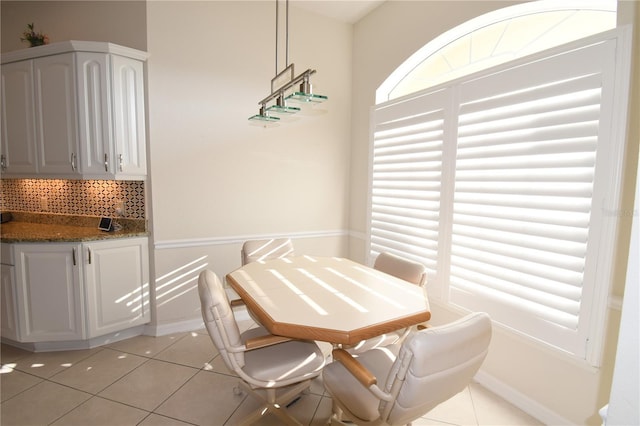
{"points": [[117, 284], [50, 297], [77, 291], [8, 309]]}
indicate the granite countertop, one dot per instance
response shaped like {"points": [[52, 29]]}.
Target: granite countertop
{"points": [[36, 227]]}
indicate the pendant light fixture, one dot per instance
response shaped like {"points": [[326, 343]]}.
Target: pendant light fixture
{"points": [[286, 87]]}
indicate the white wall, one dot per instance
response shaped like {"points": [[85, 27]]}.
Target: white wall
{"points": [[216, 179], [542, 381], [624, 402], [624, 405], [213, 173]]}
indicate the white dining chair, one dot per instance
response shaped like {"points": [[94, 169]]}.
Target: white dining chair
{"points": [[261, 250], [273, 369], [267, 249], [404, 269], [397, 384]]}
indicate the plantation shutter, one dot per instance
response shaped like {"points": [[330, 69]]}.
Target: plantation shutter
{"points": [[527, 143], [501, 184], [406, 178]]}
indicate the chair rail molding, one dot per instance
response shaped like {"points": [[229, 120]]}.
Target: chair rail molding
{"points": [[239, 239]]}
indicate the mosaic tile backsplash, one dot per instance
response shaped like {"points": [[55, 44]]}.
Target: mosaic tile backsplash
{"points": [[73, 197]]}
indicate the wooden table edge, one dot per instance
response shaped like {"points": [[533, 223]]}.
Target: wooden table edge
{"points": [[302, 332]]}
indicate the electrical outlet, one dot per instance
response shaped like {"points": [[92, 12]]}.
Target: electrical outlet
{"points": [[44, 204], [119, 208]]}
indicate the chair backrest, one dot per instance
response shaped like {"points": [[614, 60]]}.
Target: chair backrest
{"points": [[402, 268], [275, 248], [218, 318], [435, 364]]}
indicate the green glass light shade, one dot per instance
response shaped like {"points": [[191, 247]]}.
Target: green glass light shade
{"points": [[283, 110], [306, 97], [261, 117]]}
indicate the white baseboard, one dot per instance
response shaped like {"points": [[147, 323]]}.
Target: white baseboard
{"points": [[157, 330], [173, 327], [54, 346], [520, 400]]}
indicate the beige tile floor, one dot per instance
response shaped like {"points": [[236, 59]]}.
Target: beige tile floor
{"points": [[175, 380]]}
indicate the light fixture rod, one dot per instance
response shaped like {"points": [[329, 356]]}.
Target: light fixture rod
{"points": [[287, 36], [277, 16], [286, 59], [285, 80]]}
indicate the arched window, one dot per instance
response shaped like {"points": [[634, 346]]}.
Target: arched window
{"points": [[504, 180], [498, 37]]}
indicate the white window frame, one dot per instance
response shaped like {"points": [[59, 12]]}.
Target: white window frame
{"points": [[384, 92], [599, 270]]}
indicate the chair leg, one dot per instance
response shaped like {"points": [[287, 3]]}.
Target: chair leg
{"points": [[274, 403], [279, 410], [336, 413]]}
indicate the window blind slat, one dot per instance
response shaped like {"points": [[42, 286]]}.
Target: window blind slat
{"points": [[570, 130], [570, 174], [547, 120], [519, 271], [575, 189], [573, 261], [528, 148], [559, 312], [571, 93], [536, 202], [534, 242], [541, 216], [566, 161]]}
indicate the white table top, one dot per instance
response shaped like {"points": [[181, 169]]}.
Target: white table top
{"points": [[330, 299]]}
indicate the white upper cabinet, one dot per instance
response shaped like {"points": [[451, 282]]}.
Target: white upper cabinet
{"points": [[74, 110], [129, 120], [94, 112], [18, 119], [55, 115]]}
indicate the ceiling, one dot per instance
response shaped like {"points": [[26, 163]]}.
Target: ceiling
{"points": [[349, 11]]}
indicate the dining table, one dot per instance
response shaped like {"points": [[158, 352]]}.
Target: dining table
{"points": [[329, 299]]}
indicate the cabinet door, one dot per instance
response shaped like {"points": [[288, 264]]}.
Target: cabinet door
{"points": [[7, 309], [56, 124], [117, 284], [94, 114], [129, 119], [49, 292], [18, 119]]}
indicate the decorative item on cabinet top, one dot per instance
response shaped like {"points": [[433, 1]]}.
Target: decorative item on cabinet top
{"points": [[34, 38]]}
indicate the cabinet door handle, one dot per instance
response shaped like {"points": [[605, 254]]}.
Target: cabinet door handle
{"points": [[120, 161], [89, 253], [73, 252], [3, 162], [106, 163], [73, 162]]}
